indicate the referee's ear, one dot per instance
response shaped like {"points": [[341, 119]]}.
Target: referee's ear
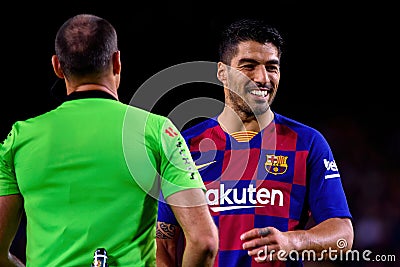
{"points": [[116, 59], [56, 67]]}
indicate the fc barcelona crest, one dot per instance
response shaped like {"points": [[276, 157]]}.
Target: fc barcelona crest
{"points": [[276, 164]]}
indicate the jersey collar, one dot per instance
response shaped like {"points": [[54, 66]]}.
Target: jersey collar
{"points": [[89, 94]]}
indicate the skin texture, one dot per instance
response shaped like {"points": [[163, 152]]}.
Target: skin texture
{"points": [[167, 248], [167, 245], [321, 237], [256, 66], [11, 208], [198, 227]]}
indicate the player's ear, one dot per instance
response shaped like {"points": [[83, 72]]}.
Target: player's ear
{"points": [[222, 72], [56, 67]]}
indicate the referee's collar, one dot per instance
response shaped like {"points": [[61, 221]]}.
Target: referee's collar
{"points": [[89, 94]]}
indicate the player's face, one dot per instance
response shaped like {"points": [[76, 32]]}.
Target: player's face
{"points": [[253, 77]]}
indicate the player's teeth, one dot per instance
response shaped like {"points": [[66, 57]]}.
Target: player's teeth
{"points": [[259, 93]]}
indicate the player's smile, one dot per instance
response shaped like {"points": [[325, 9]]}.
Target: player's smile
{"points": [[260, 93]]}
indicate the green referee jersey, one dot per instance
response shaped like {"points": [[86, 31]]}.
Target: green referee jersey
{"points": [[90, 172]]}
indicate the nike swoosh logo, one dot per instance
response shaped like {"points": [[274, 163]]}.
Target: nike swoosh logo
{"points": [[204, 165], [332, 176]]}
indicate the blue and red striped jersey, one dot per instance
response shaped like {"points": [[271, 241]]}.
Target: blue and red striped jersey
{"points": [[280, 177]]}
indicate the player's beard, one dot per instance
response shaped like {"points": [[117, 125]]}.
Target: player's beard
{"points": [[241, 106]]}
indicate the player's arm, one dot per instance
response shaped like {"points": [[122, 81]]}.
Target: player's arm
{"points": [[168, 234], [167, 238], [331, 234], [11, 208], [201, 236]]}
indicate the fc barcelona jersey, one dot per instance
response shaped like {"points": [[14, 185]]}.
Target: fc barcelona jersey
{"points": [[280, 177]]}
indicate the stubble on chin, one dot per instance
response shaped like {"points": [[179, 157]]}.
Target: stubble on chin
{"points": [[242, 107]]}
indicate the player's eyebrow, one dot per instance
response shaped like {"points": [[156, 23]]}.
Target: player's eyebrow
{"points": [[253, 61]]}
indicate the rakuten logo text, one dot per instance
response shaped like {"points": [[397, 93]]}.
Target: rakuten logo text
{"points": [[257, 197]]}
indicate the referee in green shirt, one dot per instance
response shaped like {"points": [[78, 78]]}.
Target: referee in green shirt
{"points": [[88, 173]]}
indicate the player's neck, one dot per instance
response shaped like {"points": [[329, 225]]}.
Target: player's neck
{"points": [[231, 122]]}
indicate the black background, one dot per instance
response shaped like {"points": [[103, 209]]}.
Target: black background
{"points": [[339, 72], [339, 59]]}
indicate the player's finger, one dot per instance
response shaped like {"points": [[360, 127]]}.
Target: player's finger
{"points": [[255, 243], [255, 233]]}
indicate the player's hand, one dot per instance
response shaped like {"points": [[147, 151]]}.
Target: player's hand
{"points": [[266, 244]]}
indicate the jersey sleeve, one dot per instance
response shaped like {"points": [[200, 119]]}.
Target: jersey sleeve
{"points": [[8, 181], [327, 198], [177, 169]]}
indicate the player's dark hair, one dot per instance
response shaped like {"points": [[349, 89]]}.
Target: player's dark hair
{"points": [[85, 45], [247, 30]]}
